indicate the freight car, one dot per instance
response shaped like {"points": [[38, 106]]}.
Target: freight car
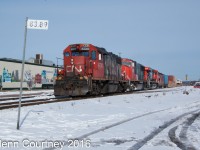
{"points": [[171, 81], [89, 69], [165, 81]]}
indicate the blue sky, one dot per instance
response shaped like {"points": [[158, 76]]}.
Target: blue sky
{"points": [[162, 34]]}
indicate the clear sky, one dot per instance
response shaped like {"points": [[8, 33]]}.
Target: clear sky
{"points": [[162, 34]]}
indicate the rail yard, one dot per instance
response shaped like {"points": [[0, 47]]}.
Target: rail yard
{"points": [[99, 75]]}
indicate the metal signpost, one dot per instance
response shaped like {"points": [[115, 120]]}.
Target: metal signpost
{"points": [[29, 24]]}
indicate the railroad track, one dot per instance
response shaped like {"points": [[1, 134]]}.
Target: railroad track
{"points": [[17, 95], [15, 104], [14, 98], [4, 104]]}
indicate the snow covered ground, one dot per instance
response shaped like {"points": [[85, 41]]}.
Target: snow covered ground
{"points": [[146, 121]]}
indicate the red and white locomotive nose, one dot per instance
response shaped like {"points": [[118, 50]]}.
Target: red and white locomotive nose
{"points": [[73, 68], [76, 65]]}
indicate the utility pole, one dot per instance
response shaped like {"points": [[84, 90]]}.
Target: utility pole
{"points": [[22, 75]]}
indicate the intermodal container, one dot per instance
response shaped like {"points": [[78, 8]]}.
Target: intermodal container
{"points": [[165, 80], [171, 81]]}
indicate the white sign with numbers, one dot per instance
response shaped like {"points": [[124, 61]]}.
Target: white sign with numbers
{"points": [[37, 24]]}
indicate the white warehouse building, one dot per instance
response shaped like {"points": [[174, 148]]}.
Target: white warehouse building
{"points": [[38, 73]]}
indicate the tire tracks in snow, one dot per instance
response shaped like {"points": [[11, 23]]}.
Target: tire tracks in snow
{"points": [[149, 137], [183, 143], [110, 126]]}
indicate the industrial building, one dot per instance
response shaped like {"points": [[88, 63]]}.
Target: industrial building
{"points": [[38, 73]]}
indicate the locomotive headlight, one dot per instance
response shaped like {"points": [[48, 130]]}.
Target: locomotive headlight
{"points": [[72, 61]]}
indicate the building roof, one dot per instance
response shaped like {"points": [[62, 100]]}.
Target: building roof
{"points": [[26, 62]]}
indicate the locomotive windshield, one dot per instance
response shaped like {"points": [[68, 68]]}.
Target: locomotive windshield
{"points": [[80, 53], [127, 64]]}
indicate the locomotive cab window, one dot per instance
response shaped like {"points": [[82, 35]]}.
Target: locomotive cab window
{"points": [[93, 55], [80, 53], [85, 54], [66, 54], [128, 64]]}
